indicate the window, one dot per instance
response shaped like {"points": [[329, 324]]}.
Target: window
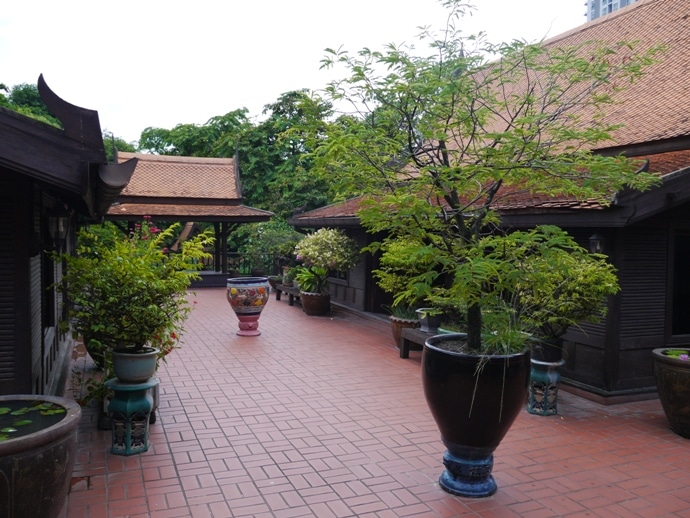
{"points": [[681, 284]]}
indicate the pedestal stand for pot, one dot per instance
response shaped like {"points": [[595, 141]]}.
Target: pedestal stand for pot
{"points": [[247, 297], [543, 387], [546, 359], [130, 410]]}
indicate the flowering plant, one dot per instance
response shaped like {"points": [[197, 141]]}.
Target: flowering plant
{"points": [[323, 251], [130, 289]]}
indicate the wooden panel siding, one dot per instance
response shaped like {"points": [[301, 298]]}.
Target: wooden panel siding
{"points": [[37, 378], [643, 274], [7, 291]]}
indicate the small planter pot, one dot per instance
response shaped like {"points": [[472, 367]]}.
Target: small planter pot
{"points": [[315, 303], [398, 324], [247, 297], [428, 321], [36, 468], [273, 280], [673, 383], [132, 366]]}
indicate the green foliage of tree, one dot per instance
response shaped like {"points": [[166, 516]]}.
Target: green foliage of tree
{"points": [[443, 139], [274, 155], [273, 240], [217, 138], [25, 99]]}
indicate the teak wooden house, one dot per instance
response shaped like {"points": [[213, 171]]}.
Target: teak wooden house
{"points": [[48, 177], [646, 235]]}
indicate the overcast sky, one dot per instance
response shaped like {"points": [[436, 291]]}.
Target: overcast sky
{"points": [[160, 63]]}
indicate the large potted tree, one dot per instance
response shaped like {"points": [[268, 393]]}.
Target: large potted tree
{"points": [[447, 143]]}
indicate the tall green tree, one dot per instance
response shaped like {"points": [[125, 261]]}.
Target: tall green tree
{"points": [[217, 138], [275, 155], [444, 138]]}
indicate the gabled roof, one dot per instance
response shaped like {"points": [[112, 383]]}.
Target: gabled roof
{"points": [[184, 188], [182, 178]]}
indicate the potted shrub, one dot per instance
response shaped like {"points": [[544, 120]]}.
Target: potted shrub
{"points": [[569, 290], [321, 252], [274, 280], [126, 293], [401, 317], [289, 275], [266, 245], [452, 140], [397, 266]]}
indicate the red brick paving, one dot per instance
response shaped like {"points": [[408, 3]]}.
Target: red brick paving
{"points": [[319, 417]]}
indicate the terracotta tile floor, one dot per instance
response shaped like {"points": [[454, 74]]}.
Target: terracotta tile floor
{"points": [[319, 417]]}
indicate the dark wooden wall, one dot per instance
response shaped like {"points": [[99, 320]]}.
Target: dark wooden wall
{"points": [[614, 357], [33, 353]]}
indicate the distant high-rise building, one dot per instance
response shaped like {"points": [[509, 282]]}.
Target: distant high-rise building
{"points": [[597, 8]]}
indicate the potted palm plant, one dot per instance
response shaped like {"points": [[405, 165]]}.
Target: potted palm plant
{"points": [[324, 251], [126, 293], [452, 141]]}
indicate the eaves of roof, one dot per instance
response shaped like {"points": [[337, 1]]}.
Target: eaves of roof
{"points": [[186, 212]]}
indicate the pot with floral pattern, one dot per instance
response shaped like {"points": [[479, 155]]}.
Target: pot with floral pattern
{"points": [[247, 297]]}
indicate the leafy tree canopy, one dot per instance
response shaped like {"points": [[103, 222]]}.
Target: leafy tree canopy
{"points": [[442, 140], [25, 99], [273, 154]]}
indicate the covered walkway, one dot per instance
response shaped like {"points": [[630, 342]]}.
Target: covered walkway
{"points": [[319, 417]]}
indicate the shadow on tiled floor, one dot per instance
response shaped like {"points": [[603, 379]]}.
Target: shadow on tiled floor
{"points": [[319, 417]]}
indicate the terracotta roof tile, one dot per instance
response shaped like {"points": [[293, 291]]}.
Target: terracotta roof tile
{"points": [[654, 108], [182, 177], [516, 200]]}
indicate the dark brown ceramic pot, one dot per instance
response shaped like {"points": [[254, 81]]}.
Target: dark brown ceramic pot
{"points": [[475, 400], [673, 383]]}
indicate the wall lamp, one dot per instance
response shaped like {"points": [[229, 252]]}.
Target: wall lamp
{"points": [[58, 226], [597, 243]]}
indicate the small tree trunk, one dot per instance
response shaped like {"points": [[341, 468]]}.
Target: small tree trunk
{"points": [[474, 327]]}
